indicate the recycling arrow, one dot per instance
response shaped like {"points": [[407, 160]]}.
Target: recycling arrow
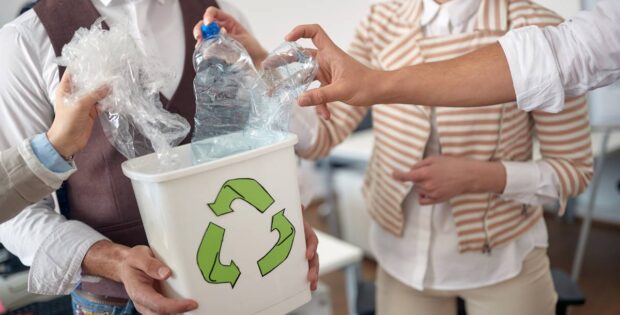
{"points": [[208, 258], [280, 251], [242, 188]]}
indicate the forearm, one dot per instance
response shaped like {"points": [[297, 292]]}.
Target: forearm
{"points": [[476, 79], [104, 259]]}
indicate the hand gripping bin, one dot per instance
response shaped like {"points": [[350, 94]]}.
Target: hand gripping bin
{"points": [[231, 230]]}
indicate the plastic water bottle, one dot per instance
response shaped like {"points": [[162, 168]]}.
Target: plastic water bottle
{"points": [[225, 76], [238, 108], [287, 72]]}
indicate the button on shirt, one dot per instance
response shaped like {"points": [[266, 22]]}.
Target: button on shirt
{"points": [[427, 255], [53, 246], [548, 64]]}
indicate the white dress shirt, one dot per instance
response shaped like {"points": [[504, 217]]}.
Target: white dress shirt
{"points": [[427, 255], [551, 63], [53, 246]]}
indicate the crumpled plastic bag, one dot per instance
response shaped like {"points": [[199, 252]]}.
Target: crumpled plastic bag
{"points": [[132, 115], [239, 108]]}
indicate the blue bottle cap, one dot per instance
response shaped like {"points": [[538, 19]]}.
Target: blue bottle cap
{"points": [[210, 31]]}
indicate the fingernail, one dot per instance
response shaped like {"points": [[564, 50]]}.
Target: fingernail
{"points": [[163, 272], [192, 306], [304, 100]]}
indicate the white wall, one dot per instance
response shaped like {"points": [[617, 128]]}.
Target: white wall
{"points": [[9, 9], [271, 19]]}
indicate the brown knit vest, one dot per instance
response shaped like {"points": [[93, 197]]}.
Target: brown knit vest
{"points": [[98, 194]]}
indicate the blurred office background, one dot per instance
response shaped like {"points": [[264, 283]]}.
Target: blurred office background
{"points": [[338, 209]]}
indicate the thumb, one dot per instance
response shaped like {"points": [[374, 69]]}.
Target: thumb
{"points": [[90, 99], [319, 96], [146, 262], [65, 88]]}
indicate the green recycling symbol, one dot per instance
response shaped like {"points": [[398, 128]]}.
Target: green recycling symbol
{"points": [[208, 257]]}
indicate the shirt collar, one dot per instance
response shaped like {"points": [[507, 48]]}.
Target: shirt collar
{"points": [[459, 11], [108, 3]]}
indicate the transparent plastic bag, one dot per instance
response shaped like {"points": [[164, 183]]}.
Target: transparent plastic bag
{"points": [[237, 107], [132, 115]]}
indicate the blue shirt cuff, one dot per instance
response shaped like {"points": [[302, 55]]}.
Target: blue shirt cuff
{"points": [[47, 155]]}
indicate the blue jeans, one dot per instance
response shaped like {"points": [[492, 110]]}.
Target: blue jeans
{"points": [[82, 306]]}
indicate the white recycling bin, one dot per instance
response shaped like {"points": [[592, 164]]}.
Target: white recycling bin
{"points": [[231, 230]]}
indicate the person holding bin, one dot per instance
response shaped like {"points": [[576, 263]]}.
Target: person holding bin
{"points": [[96, 250]]}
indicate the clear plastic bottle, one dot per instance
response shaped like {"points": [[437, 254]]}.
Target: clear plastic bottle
{"points": [[287, 72], [237, 107], [225, 76]]}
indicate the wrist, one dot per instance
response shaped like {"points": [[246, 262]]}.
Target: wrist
{"points": [[104, 259], [488, 177], [61, 145], [384, 81]]}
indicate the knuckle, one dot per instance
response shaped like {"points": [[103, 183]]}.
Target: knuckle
{"points": [[420, 174], [152, 265], [143, 249], [319, 97]]}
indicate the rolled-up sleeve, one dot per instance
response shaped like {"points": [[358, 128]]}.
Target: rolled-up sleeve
{"points": [[51, 245], [551, 63], [25, 180], [534, 70]]}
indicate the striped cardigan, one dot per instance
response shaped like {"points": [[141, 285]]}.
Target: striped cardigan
{"points": [[390, 37]]}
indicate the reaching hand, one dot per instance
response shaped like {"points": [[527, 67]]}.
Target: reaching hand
{"points": [[73, 123], [233, 28], [342, 77]]}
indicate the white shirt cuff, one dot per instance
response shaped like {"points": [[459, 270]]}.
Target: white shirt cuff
{"points": [[304, 123], [57, 265], [533, 183], [534, 70]]}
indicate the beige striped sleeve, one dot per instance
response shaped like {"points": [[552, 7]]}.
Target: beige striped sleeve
{"points": [[564, 137], [344, 118], [565, 144], [525, 13]]}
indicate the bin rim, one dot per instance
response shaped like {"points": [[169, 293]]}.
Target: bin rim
{"points": [[164, 176]]}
